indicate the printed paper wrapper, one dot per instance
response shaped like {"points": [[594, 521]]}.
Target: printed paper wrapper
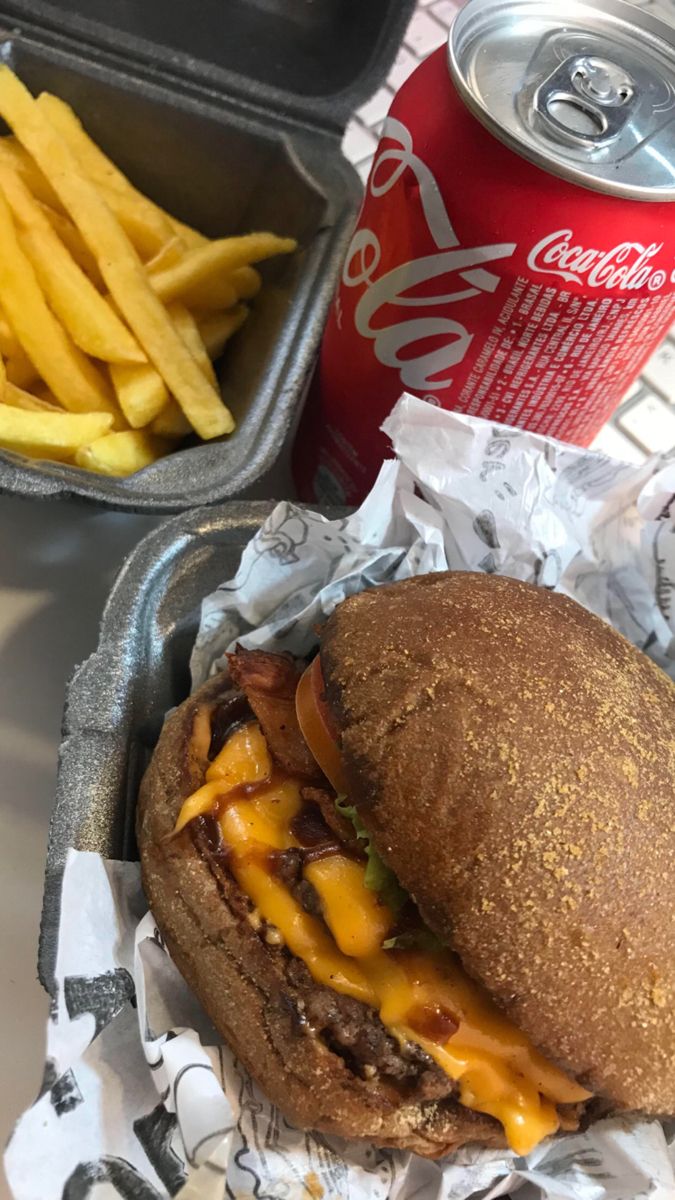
{"points": [[140, 1099]]}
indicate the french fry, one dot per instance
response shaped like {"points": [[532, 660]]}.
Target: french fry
{"points": [[195, 278], [120, 265], [246, 282], [3, 379], [170, 254], [217, 329], [8, 343], [74, 380], [72, 240], [16, 397], [189, 236], [42, 392], [141, 392], [97, 165], [121, 453], [83, 311], [210, 295], [147, 232], [20, 370], [15, 158], [187, 327], [49, 434], [147, 226], [146, 241], [171, 422]]}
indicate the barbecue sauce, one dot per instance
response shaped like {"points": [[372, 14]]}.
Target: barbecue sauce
{"points": [[432, 1021]]}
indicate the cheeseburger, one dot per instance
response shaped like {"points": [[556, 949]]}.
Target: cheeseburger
{"points": [[424, 885]]}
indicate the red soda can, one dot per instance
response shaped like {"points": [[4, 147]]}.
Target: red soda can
{"points": [[514, 257]]}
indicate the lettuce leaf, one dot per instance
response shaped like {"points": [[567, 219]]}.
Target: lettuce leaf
{"points": [[414, 939], [378, 877]]}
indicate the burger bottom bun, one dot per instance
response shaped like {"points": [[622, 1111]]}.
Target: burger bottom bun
{"points": [[243, 983]]}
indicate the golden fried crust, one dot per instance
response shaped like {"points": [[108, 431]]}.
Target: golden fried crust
{"points": [[242, 982], [514, 759]]}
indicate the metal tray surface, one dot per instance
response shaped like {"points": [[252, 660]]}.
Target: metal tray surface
{"points": [[224, 168], [318, 60], [116, 701]]}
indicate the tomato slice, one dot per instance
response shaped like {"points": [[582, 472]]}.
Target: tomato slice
{"points": [[319, 690], [317, 725]]}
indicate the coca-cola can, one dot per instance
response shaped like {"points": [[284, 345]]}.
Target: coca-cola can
{"points": [[514, 257]]}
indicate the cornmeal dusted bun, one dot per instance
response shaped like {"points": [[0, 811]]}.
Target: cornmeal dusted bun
{"points": [[513, 758], [289, 1032]]}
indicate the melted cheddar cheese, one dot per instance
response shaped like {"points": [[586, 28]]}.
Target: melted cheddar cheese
{"points": [[497, 1069]]}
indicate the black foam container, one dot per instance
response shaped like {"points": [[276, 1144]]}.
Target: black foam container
{"points": [[230, 115]]}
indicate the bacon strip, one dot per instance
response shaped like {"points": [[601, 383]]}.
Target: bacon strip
{"points": [[342, 829], [269, 681]]}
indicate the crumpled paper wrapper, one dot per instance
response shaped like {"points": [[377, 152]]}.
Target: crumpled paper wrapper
{"points": [[140, 1100]]}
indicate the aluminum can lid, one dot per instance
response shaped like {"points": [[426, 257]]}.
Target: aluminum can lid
{"points": [[583, 88]]}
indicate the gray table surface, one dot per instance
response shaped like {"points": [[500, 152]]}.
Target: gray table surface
{"points": [[57, 562]]}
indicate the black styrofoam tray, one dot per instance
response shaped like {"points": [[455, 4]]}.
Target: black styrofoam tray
{"points": [[224, 171], [117, 699], [225, 161]]}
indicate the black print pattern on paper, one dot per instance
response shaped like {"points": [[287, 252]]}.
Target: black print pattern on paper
{"points": [[588, 1161], [158, 939], [283, 540], [497, 448], [548, 570], [127, 1182], [280, 541], [155, 1131], [665, 586], [101, 995], [247, 1105], [488, 564], [49, 1078], [485, 527], [64, 1094]]}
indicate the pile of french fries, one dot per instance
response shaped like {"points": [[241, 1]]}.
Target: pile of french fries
{"points": [[112, 312]]}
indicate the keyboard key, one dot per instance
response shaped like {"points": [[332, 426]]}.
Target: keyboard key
{"points": [[403, 67], [358, 143], [634, 391], [424, 34], [445, 11], [610, 441], [660, 370], [376, 109], [650, 422]]}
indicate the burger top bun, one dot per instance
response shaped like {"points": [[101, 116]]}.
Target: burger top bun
{"points": [[513, 758]]}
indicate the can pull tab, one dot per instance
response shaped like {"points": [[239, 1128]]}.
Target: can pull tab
{"points": [[586, 101]]}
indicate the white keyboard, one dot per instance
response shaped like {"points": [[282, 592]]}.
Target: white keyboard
{"points": [[645, 420]]}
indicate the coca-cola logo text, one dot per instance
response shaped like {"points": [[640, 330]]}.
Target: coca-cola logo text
{"points": [[626, 267], [461, 274]]}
